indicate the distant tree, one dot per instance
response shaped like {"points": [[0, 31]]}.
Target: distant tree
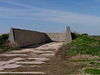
{"points": [[74, 35]]}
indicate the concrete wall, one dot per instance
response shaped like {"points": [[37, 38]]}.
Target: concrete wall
{"points": [[65, 37], [68, 37], [21, 38], [25, 37], [57, 36]]}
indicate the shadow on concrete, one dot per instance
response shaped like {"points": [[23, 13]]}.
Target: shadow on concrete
{"points": [[48, 40]]}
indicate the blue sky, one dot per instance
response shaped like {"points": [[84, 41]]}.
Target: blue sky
{"points": [[83, 16]]}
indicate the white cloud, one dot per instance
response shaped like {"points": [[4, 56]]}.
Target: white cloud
{"points": [[41, 14]]}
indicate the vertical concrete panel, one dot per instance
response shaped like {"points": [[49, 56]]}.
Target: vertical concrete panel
{"points": [[11, 36], [68, 35]]}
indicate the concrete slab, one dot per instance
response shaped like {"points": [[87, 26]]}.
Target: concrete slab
{"points": [[38, 51], [10, 64], [51, 46], [30, 63], [15, 60], [39, 59], [23, 50], [10, 61], [47, 55], [2, 63], [41, 51], [25, 73], [34, 66], [10, 55]]}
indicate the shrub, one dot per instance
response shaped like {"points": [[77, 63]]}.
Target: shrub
{"points": [[3, 42], [74, 35], [3, 38]]}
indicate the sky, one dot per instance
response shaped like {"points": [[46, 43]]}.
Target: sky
{"points": [[83, 16]]}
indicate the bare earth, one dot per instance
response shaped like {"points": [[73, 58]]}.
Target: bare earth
{"points": [[29, 60]]}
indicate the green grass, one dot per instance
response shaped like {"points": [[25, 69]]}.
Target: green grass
{"points": [[83, 44], [92, 71], [93, 64]]}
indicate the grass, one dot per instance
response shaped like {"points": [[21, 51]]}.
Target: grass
{"points": [[93, 64], [83, 44], [92, 71]]}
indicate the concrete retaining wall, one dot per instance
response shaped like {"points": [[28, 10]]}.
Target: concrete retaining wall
{"points": [[25, 37], [57, 36], [21, 38], [64, 37]]}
